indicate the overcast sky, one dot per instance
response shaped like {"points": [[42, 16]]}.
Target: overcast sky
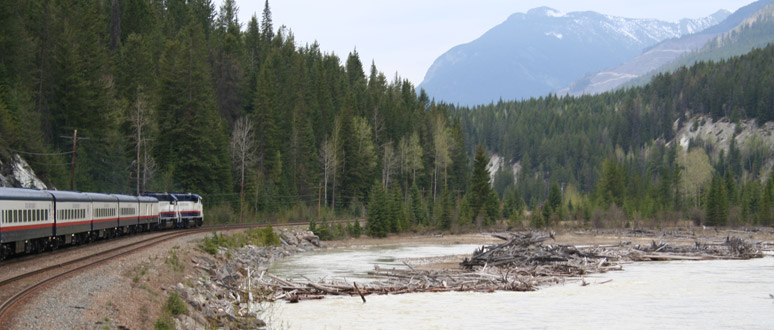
{"points": [[406, 36]]}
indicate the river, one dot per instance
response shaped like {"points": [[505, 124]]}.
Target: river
{"points": [[727, 294]]}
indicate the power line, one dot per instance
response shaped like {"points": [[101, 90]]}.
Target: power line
{"points": [[50, 164], [41, 153]]}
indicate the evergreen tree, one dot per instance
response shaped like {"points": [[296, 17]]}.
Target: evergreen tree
{"points": [[479, 183], [555, 197], [378, 224], [418, 211], [717, 207], [193, 140]]}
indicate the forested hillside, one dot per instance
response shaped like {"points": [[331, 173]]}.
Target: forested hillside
{"points": [[179, 96], [617, 148], [185, 97]]}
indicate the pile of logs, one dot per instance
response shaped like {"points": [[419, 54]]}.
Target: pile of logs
{"points": [[731, 248], [397, 281], [522, 263], [526, 255]]}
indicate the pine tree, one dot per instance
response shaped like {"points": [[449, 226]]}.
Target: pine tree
{"points": [[555, 197], [717, 203], [480, 181], [193, 143], [418, 211], [267, 122], [378, 213]]}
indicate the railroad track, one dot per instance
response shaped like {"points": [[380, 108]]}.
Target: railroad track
{"points": [[11, 296]]}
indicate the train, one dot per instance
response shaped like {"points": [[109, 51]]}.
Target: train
{"points": [[33, 220]]}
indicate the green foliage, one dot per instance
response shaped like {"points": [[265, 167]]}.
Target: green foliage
{"points": [[191, 72], [378, 224], [555, 197], [483, 199], [717, 203], [164, 322], [175, 305], [328, 231], [257, 236], [174, 261], [357, 230]]}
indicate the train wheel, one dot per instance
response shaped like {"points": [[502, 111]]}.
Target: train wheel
{"points": [[29, 247]]}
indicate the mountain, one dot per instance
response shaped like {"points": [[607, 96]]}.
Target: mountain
{"points": [[533, 54], [663, 54], [756, 31]]}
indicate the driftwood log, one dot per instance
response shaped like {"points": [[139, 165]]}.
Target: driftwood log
{"points": [[522, 263]]}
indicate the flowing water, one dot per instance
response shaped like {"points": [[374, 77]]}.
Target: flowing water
{"points": [[668, 295]]}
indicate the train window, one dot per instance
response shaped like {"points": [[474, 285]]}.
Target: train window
{"points": [[45, 214]]}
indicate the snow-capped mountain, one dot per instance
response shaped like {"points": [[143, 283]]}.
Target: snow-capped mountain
{"points": [[672, 53], [544, 50]]}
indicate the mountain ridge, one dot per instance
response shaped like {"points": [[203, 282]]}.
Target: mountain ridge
{"points": [[661, 57], [532, 54]]}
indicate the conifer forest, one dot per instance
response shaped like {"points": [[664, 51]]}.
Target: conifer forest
{"points": [[179, 95]]}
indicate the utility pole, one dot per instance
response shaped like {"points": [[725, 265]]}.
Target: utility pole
{"points": [[72, 166], [75, 150]]}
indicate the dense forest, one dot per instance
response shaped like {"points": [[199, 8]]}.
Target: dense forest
{"points": [[179, 95], [617, 148]]}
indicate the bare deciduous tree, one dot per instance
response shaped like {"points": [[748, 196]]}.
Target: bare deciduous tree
{"points": [[389, 162], [411, 151], [242, 153], [328, 159], [141, 123], [442, 144]]}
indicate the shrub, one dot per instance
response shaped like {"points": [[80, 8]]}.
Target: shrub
{"points": [[175, 305]]}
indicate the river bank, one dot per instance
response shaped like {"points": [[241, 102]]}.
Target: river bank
{"points": [[233, 288]]}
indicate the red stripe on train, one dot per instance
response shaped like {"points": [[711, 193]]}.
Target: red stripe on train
{"points": [[27, 227]]}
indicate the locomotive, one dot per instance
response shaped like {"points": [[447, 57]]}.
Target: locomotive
{"points": [[34, 220], [177, 210]]}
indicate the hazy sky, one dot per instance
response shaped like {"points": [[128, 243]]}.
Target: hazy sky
{"points": [[406, 36]]}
